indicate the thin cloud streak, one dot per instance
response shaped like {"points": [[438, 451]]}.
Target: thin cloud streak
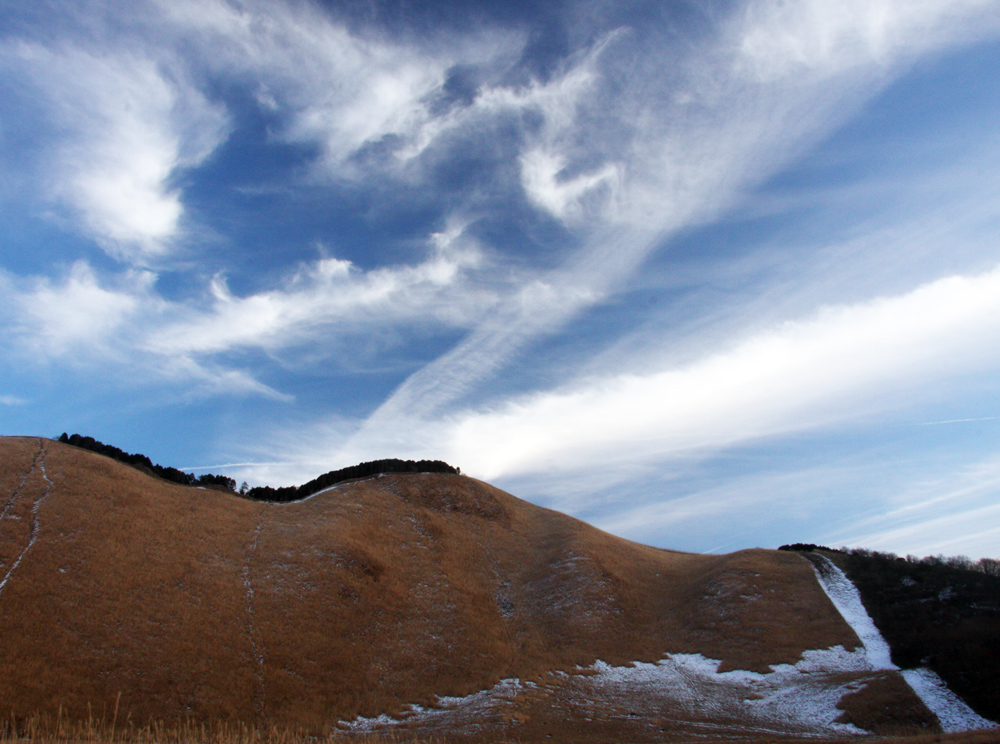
{"points": [[958, 421]]}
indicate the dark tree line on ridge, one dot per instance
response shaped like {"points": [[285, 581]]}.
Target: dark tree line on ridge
{"points": [[988, 566], [282, 494]]}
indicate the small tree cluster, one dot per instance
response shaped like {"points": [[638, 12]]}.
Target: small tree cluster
{"points": [[806, 548]]}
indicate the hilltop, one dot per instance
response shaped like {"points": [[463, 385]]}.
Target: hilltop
{"points": [[401, 595]]}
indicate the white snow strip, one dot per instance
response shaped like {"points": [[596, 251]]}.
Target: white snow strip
{"points": [[846, 599], [800, 698], [950, 709], [451, 712]]}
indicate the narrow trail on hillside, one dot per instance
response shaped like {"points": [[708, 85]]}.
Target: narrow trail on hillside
{"points": [[38, 463], [504, 599], [24, 479], [256, 644]]}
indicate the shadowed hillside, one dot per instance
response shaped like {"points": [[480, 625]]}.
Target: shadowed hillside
{"points": [[370, 597]]}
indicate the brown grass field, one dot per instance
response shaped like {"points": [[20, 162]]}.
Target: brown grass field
{"points": [[137, 610]]}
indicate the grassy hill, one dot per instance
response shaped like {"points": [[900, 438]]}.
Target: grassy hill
{"points": [[176, 603]]}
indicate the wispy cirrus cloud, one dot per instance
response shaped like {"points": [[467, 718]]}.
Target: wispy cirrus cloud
{"points": [[124, 126], [800, 375], [130, 101], [76, 314], [90, 319], [331, 297], [806, 375], [331, 85], [950, 514], [678, 150]]}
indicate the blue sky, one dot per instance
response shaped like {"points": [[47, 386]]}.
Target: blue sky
{"points": [[708, 275]]}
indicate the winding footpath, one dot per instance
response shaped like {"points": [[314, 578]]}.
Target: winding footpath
{"points": [[255, 644], [37, 463]]}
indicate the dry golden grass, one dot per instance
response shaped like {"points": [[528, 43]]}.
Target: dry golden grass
{"points": [[45, 730], [195, 607]]}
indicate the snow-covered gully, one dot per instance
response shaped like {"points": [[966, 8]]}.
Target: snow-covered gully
{"points": [[950, 709], [255, 644], [38, 463]]}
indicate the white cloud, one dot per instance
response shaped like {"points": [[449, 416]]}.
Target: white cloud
{"points": [[333, 298], [76, 315], [334, 86], [83, 320], [800, 375], [121, 319], [125, 127], [780, 39], [12, 400], [544, 179]]}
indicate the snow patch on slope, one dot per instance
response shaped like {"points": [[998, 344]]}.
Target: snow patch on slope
{"points": [[799, 698], [847, 600], [450, 712], [791, 699], [951, 710]]}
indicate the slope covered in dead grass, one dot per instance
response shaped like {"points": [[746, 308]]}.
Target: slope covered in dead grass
{"points": [[183, 604]]}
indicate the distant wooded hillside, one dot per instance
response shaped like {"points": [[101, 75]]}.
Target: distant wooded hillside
{"points": [[942, 613]]}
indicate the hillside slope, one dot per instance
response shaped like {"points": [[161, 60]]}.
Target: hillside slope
{"points": [[377, 595]]}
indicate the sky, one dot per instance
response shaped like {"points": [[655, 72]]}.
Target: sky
{"points": [[708, 275]]}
